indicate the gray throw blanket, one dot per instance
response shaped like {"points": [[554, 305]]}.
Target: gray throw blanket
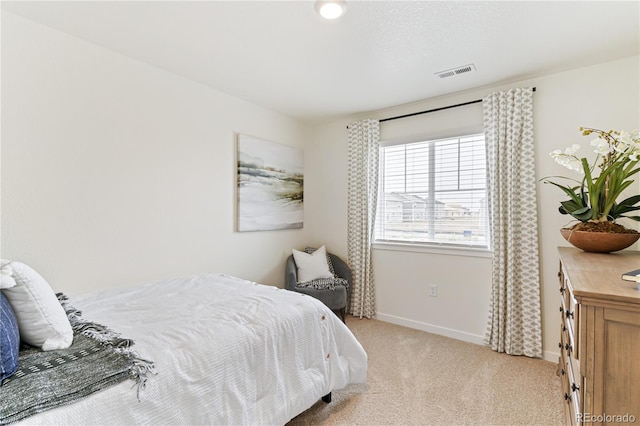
{"points": [[98, 358]]}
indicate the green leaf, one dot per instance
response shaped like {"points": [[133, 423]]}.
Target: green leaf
{"points": [[569, 191], [584, 217], [619, 210], [579, 210], [572, 207], [630, 201]]}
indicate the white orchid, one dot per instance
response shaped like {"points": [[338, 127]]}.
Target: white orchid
{"points": [[568, 158], [602, 146], [594, 199]]}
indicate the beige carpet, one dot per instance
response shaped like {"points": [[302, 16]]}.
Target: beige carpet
{"points": [[418, 378]]}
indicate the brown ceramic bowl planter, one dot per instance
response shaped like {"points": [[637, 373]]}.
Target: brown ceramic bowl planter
{"points": [[599, 242]]}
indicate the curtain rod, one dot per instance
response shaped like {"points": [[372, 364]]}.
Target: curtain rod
{"points": [[432, 110]]}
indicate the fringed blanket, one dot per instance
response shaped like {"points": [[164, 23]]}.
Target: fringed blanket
{"points": [[98, 358]]}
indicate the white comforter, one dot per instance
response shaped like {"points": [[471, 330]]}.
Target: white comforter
{"points": [[227, 352]]}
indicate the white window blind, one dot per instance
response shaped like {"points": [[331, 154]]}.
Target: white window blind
{"points": [[434, 192]]}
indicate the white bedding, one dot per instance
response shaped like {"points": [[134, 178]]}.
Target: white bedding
{"points": [[227, 352]]}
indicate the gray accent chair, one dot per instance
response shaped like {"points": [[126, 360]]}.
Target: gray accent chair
{"points": [[336, 299]]}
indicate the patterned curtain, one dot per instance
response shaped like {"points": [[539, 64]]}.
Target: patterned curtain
{"points": [[364, 137], [514, 323]]}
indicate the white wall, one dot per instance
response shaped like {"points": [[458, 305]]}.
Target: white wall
{"points": [[602, 96], [115, 172]]}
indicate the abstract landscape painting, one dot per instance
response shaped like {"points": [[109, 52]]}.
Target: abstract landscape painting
{"points": [[270, 185]]}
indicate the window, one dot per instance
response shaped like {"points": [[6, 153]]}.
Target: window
{"points": [[434, 192]]}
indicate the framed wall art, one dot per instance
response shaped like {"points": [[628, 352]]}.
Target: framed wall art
{"points": [[270, 185]]}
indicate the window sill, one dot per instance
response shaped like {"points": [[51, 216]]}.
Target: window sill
{"points": [[427, 248]]}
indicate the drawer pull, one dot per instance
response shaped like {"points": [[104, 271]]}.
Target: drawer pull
{"points": [[562, 290], [568, 347], [560, 345], [575, 387], [564, 327], [569, 314], [561, 309], [563, 372], [567, 397]]}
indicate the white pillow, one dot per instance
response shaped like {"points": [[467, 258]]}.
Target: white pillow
{"points": [[6, 280], [41, 319], [312, 266]]}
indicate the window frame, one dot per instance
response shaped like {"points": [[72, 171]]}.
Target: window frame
{"points": [[436, 247]]}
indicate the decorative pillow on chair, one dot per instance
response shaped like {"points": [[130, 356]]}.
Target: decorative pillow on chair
{"points": [[9, 339], [312, 266], [41, 319], [323, 283], [311, 250]]}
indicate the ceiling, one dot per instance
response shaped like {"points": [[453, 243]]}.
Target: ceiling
{"points": [[281, 55]]}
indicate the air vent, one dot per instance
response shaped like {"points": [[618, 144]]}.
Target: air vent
{"points": [[455, 71], [465, 69], [446, 74]]}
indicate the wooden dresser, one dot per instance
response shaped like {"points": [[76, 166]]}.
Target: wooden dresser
{"points": [[600, 337]]}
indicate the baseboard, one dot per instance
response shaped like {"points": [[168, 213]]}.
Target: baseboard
{"points": [[430, 328], [550, 356], [448, 332]]}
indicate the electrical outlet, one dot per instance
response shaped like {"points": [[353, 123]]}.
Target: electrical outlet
{"points": [[433, 290]]}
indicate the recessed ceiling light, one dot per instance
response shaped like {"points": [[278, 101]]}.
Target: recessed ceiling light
{"points": [[331, 9]]}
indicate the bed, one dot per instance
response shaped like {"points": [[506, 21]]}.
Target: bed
{"points": [[225, 350]]}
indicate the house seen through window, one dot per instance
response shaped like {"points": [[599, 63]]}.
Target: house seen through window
{"points": [[434, 192]]}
